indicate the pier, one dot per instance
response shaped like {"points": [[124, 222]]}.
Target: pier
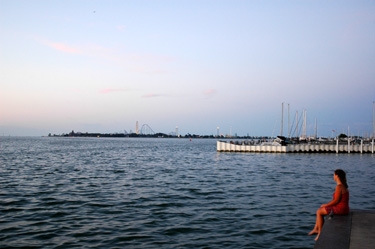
{"points": [[353, 231], [224, 146]]}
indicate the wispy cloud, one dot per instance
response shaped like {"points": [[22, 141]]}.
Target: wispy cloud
{"points": [[120, 27], [87, 49], [144, 63], [63, 47], [209, 92]]}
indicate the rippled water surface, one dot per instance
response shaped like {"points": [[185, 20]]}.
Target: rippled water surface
{"points": [[165, 193]]}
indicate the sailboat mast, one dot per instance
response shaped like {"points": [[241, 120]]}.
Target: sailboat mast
{"points": [[282, 119], [297, 118], [288, 121], [304, 125]]}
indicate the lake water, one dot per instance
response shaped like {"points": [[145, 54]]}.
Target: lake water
{"points": [[165, 193]]}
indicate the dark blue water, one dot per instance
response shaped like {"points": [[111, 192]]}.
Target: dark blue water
{"points": [[165, 193]]}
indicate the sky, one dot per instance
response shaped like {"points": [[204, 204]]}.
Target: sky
{"points": [[206, 67]]}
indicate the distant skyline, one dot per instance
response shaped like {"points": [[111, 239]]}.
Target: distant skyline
{"points": [[101, 66]]}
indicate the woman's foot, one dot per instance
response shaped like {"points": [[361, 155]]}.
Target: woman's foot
{"points": [[312, 232], [317, 237]]}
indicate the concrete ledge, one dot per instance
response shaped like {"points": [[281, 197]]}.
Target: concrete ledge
{"points": [[363, 230], [335, 233], [353, 231]]}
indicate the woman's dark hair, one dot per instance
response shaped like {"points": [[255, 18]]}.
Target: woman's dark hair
{"points": [[342, 175]]}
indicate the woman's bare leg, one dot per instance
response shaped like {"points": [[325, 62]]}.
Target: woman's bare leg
{"points": [[314, 231], [319, 222], [320, 213]]}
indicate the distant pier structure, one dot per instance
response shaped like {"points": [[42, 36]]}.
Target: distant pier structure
{"points": [[243, 146], [302, 144]]}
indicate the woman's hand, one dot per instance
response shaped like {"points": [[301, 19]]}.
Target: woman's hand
{"points": [[323, 205]]}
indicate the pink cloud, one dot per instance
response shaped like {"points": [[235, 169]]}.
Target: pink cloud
{"points": [[136, 62], [121, 27], [63, 48], [209, 92]]}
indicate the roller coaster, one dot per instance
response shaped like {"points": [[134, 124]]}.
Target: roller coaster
{"points": [[146, 130]]}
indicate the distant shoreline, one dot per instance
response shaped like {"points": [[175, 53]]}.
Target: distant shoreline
{"points": [[156, 135]]}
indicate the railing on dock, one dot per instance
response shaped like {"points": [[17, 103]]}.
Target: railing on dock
{"points": [[224, 146]]}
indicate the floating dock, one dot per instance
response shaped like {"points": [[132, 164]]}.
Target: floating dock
{"points": [[224, 146], [353, 231]]}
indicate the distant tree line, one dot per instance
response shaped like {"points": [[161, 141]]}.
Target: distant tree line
{"points": [[155, 135]]}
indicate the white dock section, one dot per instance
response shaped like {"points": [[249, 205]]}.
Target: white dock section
{"points": [[223, 146]]}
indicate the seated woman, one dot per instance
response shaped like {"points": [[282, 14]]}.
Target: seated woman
{"points": [[339, 204]]}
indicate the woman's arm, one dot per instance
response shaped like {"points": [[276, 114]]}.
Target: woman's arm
{"points": [[336, 198]]}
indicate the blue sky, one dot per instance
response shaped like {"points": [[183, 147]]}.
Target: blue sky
{"points": [[101, 66]]}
